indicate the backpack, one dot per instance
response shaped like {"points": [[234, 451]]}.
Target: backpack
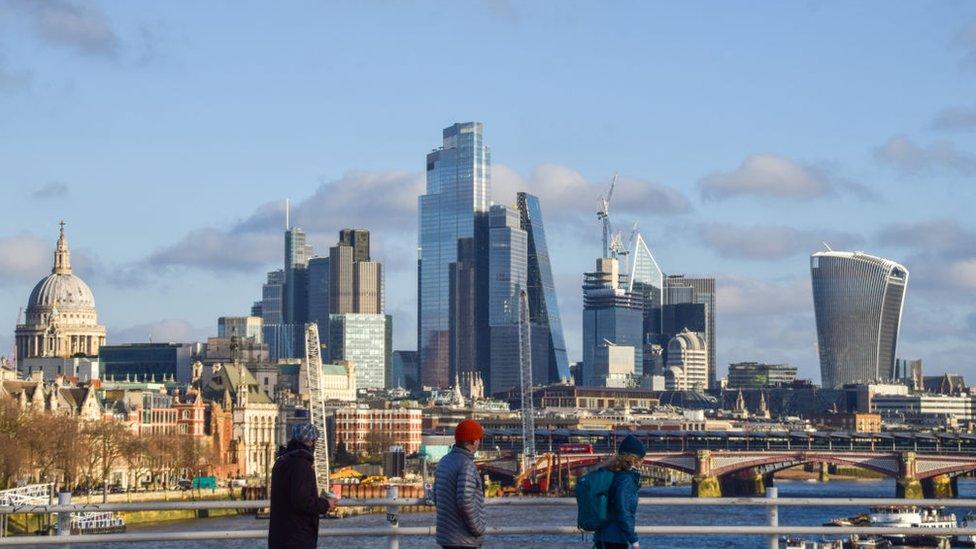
{"points": [[592, 495]]}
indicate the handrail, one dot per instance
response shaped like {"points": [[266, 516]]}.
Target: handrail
{"points": [[394, 531], [503, 501]]}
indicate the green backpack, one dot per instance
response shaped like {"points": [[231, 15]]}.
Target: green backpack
{"points": [[592, 495]]}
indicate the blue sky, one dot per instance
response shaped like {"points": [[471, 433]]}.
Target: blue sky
{"points": [[167, 135]]}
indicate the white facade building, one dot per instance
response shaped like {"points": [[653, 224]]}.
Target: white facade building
{"points": [[687, 363], [954, 407]]}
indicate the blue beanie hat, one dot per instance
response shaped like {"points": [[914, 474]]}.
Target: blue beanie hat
{"points": [[632, 445], [306, 433]]}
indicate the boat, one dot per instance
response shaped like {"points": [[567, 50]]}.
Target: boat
{"points": [[103, 522], [970, 540], [927, 520]]}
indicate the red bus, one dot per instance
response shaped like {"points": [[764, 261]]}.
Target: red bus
{"points": [[575, 448]]}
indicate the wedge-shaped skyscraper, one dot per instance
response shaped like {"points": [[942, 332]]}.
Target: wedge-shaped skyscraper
{"points": [[858, 300]]}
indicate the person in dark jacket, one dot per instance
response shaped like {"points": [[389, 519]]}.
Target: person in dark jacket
{"points": [[295, 501], [458, 492], [619, 533]]}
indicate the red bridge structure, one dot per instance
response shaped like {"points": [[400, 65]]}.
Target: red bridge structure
{"points": [[717, 473]]}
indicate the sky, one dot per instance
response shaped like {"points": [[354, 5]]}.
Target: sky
{"points": [[746, 134]]}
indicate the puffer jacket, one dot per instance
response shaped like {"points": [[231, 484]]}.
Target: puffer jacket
{"points": [[295, 503], [622, 510], [460, 500]]}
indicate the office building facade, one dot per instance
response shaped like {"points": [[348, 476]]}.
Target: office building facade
{"points": [[756, 375], [687, 362], [857, 301], [508, 277], [611, 314], [455, 203], [250, 327], [699, 290], [362, 340], [148, 360]]}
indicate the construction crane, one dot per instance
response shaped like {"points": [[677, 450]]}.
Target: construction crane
{"points": [[525, 367], [603, 214], [316, 403], [626, 251]]}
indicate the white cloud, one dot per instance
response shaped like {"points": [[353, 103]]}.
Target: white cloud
{"points": [[962, 274], [955, 118], [167, 330], [53, 189], [768, 242], [564, 190], [909, 158], [79, 26], [24, 258], [744, 296], [766, 175]]}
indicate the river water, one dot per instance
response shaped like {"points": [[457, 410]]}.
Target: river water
{"points": [[566, 516]]}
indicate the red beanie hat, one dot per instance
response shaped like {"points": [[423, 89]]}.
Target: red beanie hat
{"points": [[468, 430]]}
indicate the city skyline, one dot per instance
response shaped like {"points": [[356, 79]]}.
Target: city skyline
{"points": [[745, 205]]}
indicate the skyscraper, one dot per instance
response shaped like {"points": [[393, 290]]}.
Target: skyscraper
{"points": [[508, 276], [611, 315], [647, 279], [456, 201], [358, 240], [683, 289], [543, 307], [319, 273], [857, 299], [359, 331], [297, 254]]}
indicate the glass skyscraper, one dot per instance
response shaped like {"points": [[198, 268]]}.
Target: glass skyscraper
{"points": [[455, 203], [611, 315], [362, 339], [507, 273], [857, 299], [543, 308]]}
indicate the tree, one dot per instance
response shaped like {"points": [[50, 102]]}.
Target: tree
{"points": [[106, 441], [13, 459]]}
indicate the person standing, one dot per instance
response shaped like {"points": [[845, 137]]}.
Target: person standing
{"points": [[295, 501], [619, 531], [458, 492]]}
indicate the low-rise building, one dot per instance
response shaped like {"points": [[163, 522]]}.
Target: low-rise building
{"points": [[756, 375], [957, 408], [373, 430]]}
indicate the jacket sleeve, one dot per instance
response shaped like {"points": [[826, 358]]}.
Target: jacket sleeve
{"points": [[625, 503], [304, 500], [470, 500]]}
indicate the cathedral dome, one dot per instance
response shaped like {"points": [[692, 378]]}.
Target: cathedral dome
{"points": [[62, 297], [63, 291]]}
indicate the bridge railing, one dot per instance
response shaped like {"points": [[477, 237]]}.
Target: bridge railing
{"points": [[771, 530]]}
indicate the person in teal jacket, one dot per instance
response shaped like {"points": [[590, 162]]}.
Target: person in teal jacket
{"points": [[619, 533]]}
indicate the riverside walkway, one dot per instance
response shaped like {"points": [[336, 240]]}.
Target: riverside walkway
{"points": [[389, 526]]}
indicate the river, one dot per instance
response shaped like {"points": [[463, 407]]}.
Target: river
{"points": [[566, 516]]}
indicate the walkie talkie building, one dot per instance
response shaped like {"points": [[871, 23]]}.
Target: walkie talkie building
{"points": [[857, 299]]}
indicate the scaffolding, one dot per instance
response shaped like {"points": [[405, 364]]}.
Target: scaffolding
{"points": [[316, 403]]}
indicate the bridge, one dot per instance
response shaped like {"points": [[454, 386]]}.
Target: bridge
{"points": [[717, 473]]}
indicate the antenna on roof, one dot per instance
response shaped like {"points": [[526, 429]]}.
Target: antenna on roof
{"points": [[829, 249]]}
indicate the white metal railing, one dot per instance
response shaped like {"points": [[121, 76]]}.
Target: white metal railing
{"points": [[772, 530]]}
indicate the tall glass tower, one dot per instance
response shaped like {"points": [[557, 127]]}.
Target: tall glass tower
{"points": [[857, 299], [454, 207], [543, 308]]}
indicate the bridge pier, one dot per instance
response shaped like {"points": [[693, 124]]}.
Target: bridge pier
{"points": [[824, 473], [745, 484], [704, 484], [940, 487], [908, 486]]}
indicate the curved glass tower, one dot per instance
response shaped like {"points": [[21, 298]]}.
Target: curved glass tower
{"points": [[456, 201], [858, 301]]}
